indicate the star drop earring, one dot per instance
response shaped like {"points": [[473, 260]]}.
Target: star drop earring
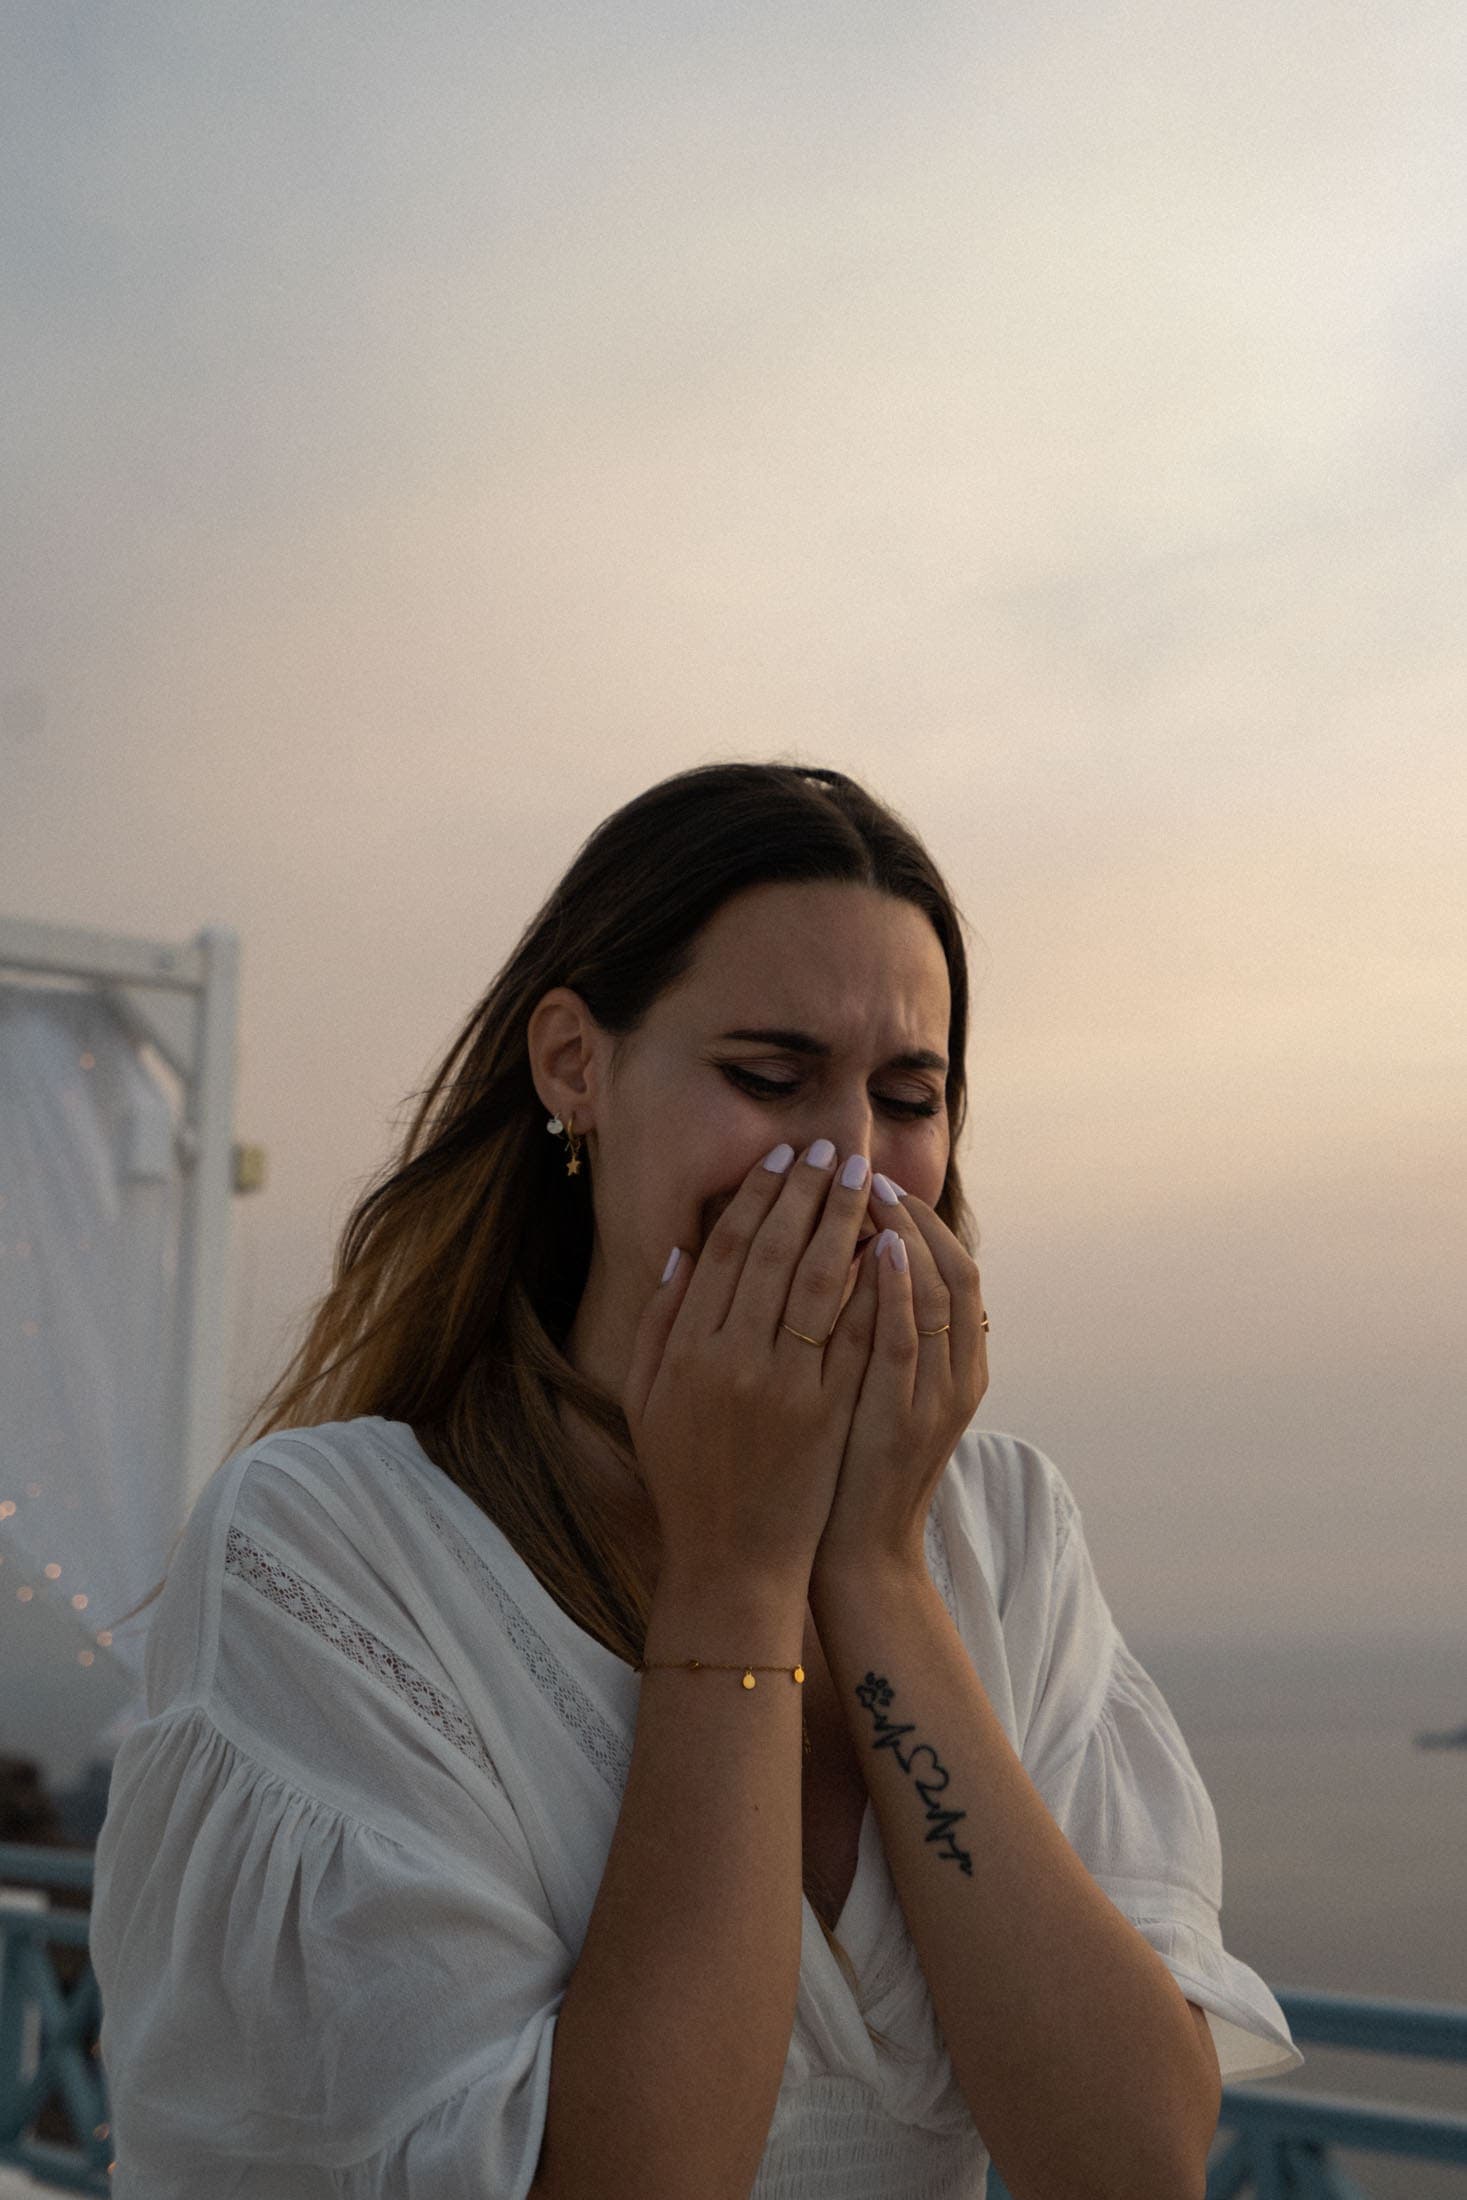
{"points": [[555, 1127]]}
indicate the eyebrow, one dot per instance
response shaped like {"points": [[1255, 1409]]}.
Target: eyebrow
{"points": [[802, 1042]]}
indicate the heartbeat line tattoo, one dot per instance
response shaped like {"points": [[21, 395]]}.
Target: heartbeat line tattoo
{"points": [[875, 1693]]}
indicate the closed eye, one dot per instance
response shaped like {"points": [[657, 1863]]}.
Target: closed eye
{"points": [[768, 1088]]}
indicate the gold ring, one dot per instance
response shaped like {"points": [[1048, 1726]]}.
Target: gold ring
{"points": [[823, 1341]]}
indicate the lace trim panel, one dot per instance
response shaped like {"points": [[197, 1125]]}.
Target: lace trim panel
{"points": [[308, 1605], [604, 1745], [607, 1749]]}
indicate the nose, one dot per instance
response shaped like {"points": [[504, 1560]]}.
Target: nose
{"points": [[851, 1125]]}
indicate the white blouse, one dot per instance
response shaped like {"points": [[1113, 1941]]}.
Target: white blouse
{"points": [[350, 1856]]}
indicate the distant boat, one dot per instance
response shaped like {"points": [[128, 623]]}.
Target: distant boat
{"points": [[1457, 1740]]}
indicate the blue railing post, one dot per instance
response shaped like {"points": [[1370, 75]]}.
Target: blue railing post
{"points": [[1282, 2140], [56, 2026]]}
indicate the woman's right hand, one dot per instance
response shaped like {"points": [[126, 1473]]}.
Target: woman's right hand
{"points": [[739, 1427]]}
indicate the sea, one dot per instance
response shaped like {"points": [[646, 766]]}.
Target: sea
{"points": [[1344, 1844]]}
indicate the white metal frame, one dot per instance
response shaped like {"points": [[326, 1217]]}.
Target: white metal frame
{"points": [[182, 998]]}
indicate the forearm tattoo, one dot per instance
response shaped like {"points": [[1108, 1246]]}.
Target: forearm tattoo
{"points": [[875, 1692]]}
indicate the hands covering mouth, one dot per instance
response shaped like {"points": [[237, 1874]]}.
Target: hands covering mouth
{"points": [[862, 1241]]}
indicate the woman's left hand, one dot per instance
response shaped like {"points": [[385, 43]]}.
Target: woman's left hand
{"points": [[919, 1394]]}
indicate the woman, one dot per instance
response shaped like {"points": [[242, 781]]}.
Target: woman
{"points": [[627, 1734]]}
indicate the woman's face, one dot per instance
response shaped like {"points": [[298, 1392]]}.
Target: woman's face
{"points": [[673, 1135]]}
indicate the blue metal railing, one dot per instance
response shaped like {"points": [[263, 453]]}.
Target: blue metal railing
{"points": [[49, 2028], [1272, 2145], [1279, 2143]]}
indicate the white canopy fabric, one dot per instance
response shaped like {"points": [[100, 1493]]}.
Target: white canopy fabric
{"points": [[91, 1199]]}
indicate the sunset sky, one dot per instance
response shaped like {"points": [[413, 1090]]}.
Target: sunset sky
{"points": [[426, 426]]}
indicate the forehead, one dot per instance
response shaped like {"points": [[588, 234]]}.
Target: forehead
{"points": [[847, 963]]}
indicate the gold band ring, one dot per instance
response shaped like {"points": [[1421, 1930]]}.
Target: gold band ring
{"points": [[823, 1341]]}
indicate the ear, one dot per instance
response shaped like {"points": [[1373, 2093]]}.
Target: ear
{"points": [[564, 1043]]}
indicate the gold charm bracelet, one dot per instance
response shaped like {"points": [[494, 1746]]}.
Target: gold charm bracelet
{"points": [[701, 1665]]}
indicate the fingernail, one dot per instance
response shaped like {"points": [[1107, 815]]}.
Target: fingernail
{"points": [[821, 1154], [672, 1260], [779, 1160], [853, 1175], [890, 1244], [883, 1187]]}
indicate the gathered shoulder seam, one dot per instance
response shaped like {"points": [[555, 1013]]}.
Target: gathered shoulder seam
{"points": [[205, 1712]]}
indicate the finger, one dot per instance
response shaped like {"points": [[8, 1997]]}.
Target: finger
{"points": [[799, 1264], [948, 1287], [895, 1353], [930, 1297], [895, 1216], [658, 1316], [720, 1265], [849, 1342]]}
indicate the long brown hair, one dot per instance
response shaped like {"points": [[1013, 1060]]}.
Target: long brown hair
{"points": [[460, 1270]]}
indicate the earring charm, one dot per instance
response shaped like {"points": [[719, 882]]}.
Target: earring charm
{"points": [[554, 1126]]}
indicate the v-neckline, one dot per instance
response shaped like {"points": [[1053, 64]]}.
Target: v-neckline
{"points": [[621, 1684], [856, 1877]]}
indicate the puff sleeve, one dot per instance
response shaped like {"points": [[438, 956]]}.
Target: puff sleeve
{"points": [[1105, 1752], [326, 1959], [300, 2005]]}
